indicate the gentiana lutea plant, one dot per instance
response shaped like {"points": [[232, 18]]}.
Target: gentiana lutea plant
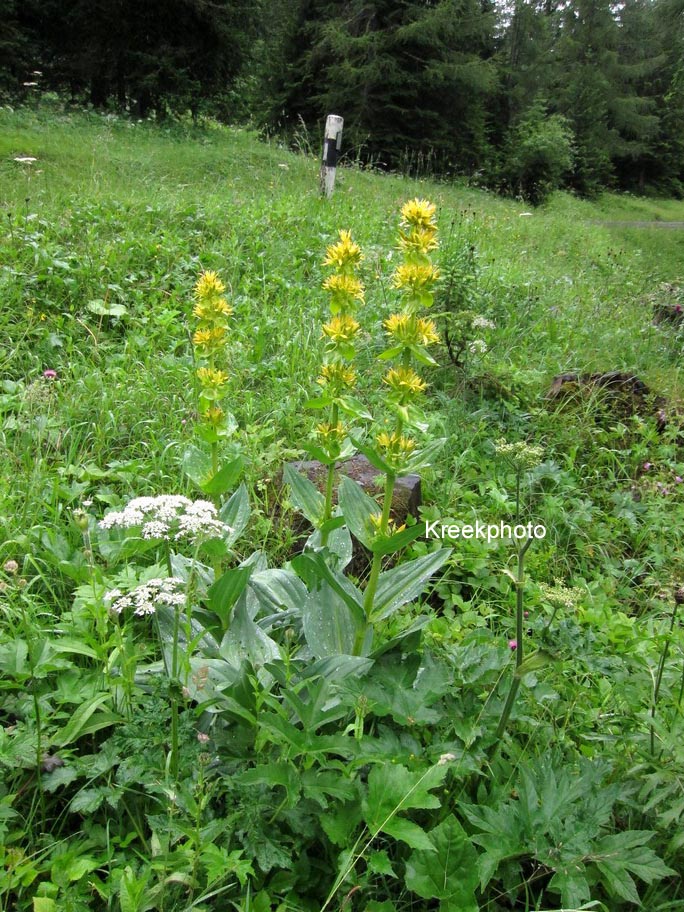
{"points": [[394, 449], [215, 425], [337, 377]]}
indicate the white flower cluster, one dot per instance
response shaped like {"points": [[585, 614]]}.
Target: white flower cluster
{"points": [[478, 347], [562, 596], [483, 323], [148, 597], [523, 456], [170, 517]]}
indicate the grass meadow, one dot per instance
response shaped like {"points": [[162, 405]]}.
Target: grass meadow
{"points": [[489, 731]]}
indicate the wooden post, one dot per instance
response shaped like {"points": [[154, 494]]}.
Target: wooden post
{"points": [[332, 143]]}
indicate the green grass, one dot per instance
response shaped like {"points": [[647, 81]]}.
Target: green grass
{"points": [[117, 212]]}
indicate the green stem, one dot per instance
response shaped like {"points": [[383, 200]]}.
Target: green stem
{"points": [[520, 649], [659, 675], [173, 765], [214, 458], [376, 565], [330, 481]]}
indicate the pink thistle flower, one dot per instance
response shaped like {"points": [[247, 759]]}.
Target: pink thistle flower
{"points": [[50, 374], [647, 466], [513, 644]]}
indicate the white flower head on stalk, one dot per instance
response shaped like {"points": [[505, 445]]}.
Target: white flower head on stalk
{"points": [[478, 347], [148, 597], [483, 323], [169, 517]]}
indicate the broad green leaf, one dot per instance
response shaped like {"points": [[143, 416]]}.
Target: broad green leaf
{"points": [[106, 308], [73, 647], [245, 640], [13, 659], [235, 513], [226, 590], [305, 495], [407, 831], [570, 881], [321, 785], [75, 727], [447, 872], [533, 662], [402, 584], [354, 407], [620, 855], [225, 478], [392, 790], [357, 508], [320, 403], [424, 457], [340, 824], [314, 569], [329, 625], [390, 544], [339, 541], [374, 457], [337, 668], [379, 863], [218, 863], [132, 890], [196, 464], [44, 904], [275, 774], [279, 590]]}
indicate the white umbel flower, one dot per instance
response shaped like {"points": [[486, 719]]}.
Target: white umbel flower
{"points": [[148, 597], [170, 517], [483, 323], [478, 347]]}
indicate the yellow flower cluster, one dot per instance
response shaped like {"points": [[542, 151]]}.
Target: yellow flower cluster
{"points": [[331, 434], [416, 279], [212, 311], [337, 377], [341, 331], [395, 448], [342, 288], [345, 255], [404, 383], [418, 230], [407, 329]]}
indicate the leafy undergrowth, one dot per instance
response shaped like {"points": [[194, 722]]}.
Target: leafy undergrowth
{"points": [[222, 717]]}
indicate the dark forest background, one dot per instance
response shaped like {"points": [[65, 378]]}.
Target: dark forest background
{"points": [[521, 96]]}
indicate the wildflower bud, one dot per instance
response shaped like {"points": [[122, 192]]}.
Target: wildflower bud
{"points": [[202, 737], [81, 519], [513, 645], [11, 566], [679, 595], [22, 583]]}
